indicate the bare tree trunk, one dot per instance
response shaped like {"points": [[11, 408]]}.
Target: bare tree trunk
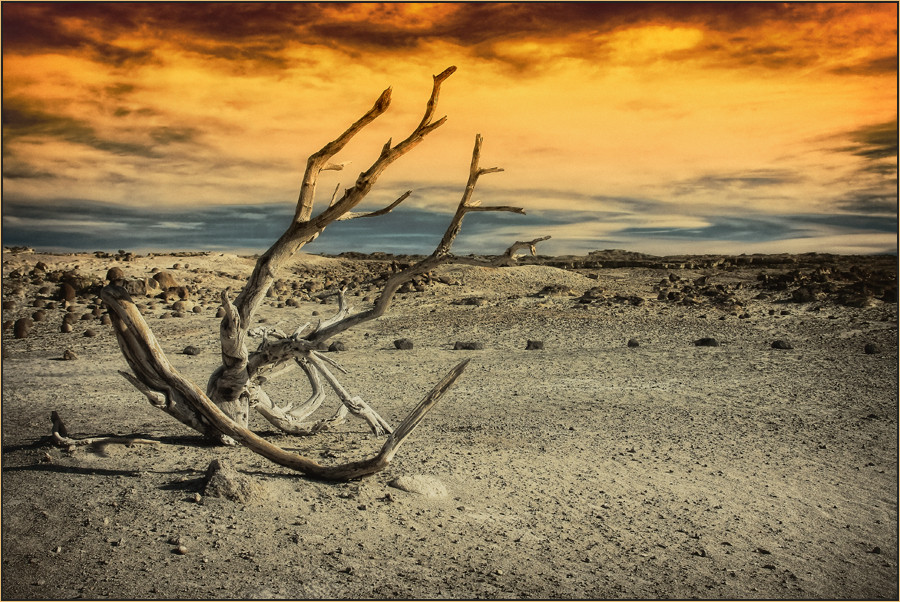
{"points": [[237, 385]]}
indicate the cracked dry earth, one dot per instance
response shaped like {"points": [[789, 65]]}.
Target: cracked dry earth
{"points": [[586, 469]]}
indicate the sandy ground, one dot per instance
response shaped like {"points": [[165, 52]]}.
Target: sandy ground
{"points": [[587, 469]]}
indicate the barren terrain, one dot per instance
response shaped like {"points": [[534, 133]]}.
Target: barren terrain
{"points": [[589, 468]]}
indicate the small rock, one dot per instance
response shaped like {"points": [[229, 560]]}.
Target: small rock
{"points": [[22, 327], [66, 292], [115, 273], [422, 484], [467, 346], [165, 280], [403, 344], [633, 343], [182, 550], [220, 313], [191, 350], [337, 346], [872, 349], [105, 320], [90, 333], [65, 327], [222, 480], [781, 344], [707, 342], [534, 345], [69, 355]]}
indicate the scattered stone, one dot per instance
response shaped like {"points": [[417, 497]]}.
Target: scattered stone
{"points": [[220, 313], [166, 280], [65, 327], [221, 480], [707, 342], [803, 295], [66, 292], [633, 343], [105, 320], [39, 316], [468, 346], [337, 346], [781, 344], [534, 345], [191, 350], [424, 485], [403, 344], [114, 274], [181, 550], [69, 355], [90, 332], [872, 349], [22, 327]]}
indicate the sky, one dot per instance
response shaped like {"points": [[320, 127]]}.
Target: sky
{"points": [[663, 128]]}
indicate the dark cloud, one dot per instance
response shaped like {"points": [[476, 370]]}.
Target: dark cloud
{"points": [[257, 32], [22, 119], [750, 179], [754, 229], [877, 141], [30, 27], [884, 65], [871, 203]]}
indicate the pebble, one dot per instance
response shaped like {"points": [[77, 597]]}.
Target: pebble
{"points": [[403, 344], [422, 484], [781, 344], [707, 342], [872, 349]]}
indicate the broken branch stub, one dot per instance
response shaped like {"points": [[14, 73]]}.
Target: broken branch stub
{"points": [[236, 386]]}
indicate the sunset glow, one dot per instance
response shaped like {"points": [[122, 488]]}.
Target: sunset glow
{"points": [[655, 127]]}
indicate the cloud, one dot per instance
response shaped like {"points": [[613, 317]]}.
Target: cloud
{"points": [[749, 179], [877, 141], [881, 65]]}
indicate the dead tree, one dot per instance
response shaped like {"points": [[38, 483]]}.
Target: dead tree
{"points": [[222, 411]]}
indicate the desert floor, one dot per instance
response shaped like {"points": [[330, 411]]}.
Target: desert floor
{"points": [[586, 469]]}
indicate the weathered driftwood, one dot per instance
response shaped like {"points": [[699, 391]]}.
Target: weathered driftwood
{"points": [[222, 411]]}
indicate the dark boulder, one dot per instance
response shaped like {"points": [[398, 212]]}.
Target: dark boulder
{"points": [[467, 346], [403, 344], [22, 327]]}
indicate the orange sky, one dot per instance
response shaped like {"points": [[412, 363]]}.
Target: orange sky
{"points": [[669, 127]]}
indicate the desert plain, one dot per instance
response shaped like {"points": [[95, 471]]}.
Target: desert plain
{"points": [[615, 458]]}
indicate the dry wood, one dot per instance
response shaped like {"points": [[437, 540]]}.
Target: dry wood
{"points": [[61, 437], [237, 385]]}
